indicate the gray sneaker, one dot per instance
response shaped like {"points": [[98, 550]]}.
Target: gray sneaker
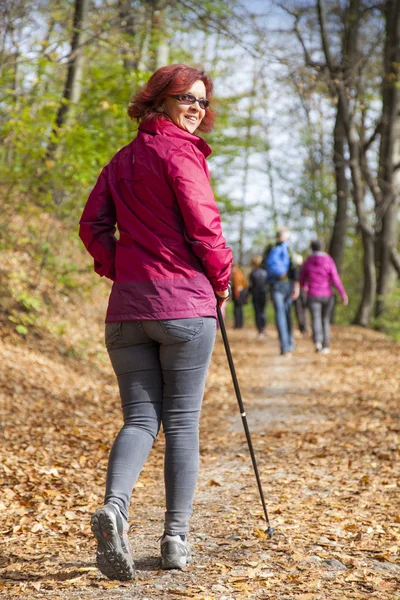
{"points": [[114, 556], [174, 552]]}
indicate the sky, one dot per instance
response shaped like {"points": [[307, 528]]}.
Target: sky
{"points": [[281, 121]]}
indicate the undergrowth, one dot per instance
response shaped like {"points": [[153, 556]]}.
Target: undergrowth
{"points": [[47, 281]]}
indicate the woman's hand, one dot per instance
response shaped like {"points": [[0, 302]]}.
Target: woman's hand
{"points": [[296, 291], [223, 296], [345, 300]]}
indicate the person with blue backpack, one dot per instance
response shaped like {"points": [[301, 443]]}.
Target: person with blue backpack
{"points": [[283, 279]]}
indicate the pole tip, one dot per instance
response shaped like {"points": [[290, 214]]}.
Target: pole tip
{"points": [[270, 531]]}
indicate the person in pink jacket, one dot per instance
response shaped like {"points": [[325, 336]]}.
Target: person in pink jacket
{"points": [[317, 277], [169, 265]]}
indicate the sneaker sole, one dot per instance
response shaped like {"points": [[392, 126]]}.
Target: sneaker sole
{"points": [[172, 562], [111, 559]]}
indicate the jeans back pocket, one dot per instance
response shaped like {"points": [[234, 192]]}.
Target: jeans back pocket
{"points": [[113, 333], [183, 329]]}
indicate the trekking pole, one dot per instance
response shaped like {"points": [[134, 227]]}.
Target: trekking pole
{"points": [[270, 530]]}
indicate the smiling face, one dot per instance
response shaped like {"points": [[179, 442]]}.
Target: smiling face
{"points": [[184, 116]]}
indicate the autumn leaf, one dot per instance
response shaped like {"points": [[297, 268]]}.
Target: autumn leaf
{"points": [[56, 460]]}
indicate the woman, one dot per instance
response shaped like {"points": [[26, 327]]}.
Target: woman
{"points": [[258, 291], [317, 276], [239, 294], [168, 265]]}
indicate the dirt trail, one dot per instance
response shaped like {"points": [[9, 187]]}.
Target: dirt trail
{"points": [[326, 435]]}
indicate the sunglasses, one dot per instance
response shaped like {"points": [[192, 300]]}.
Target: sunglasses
{"points": [[189, 99]]}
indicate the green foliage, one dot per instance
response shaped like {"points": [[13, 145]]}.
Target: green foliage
{"points": [[352, 280], [21, 329], [43, 193], [389, 322], [23, 320], [28, 302]]}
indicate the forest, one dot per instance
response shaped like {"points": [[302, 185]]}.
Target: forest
{"points": [[307, 134]]}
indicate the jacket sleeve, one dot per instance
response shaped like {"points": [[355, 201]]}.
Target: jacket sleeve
{"points": [[97, 227], [252, 282], [304, 275], [293, 271], [334, 275], [189, 180]]}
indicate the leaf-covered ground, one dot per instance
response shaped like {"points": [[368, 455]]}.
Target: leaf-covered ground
{"points": [[326, 435]]}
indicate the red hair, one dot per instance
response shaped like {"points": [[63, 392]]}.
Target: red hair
{"points": [[169, 81]]}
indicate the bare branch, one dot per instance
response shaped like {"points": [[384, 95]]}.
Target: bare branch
{"points": [[372, 7], [219, 26], [71, 56], [324, 36], [307, 58], [381, 209], [365, 59], [301, 96], [370, 181], [377, 131]]}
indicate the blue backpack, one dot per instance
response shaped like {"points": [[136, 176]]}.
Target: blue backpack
{"points": [[277, 262]]}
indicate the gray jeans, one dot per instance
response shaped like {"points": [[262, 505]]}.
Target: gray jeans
{"points": [[161, 367], [321, 311]]}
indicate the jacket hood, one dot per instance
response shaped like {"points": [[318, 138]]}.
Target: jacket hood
{"points": [[318, 257], [319, 274], [163, 126]]}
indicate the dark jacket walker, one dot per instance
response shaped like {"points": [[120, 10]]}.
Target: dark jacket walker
{"points": [[258, 291]]}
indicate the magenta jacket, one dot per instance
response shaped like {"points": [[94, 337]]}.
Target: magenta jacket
{"points": [[318, 274], [170, 255]]}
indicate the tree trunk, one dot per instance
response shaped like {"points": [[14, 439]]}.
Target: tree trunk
{"points": [[159, 48], [349, 59], [336, 246], [272, 193], [246, 159], [129, 52], [396, 261], [365, 308], [341, 84], [387, 209], [9, 148], [71, 91], [386, 239], [366, 305], [268, 161], [246, 164]]}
